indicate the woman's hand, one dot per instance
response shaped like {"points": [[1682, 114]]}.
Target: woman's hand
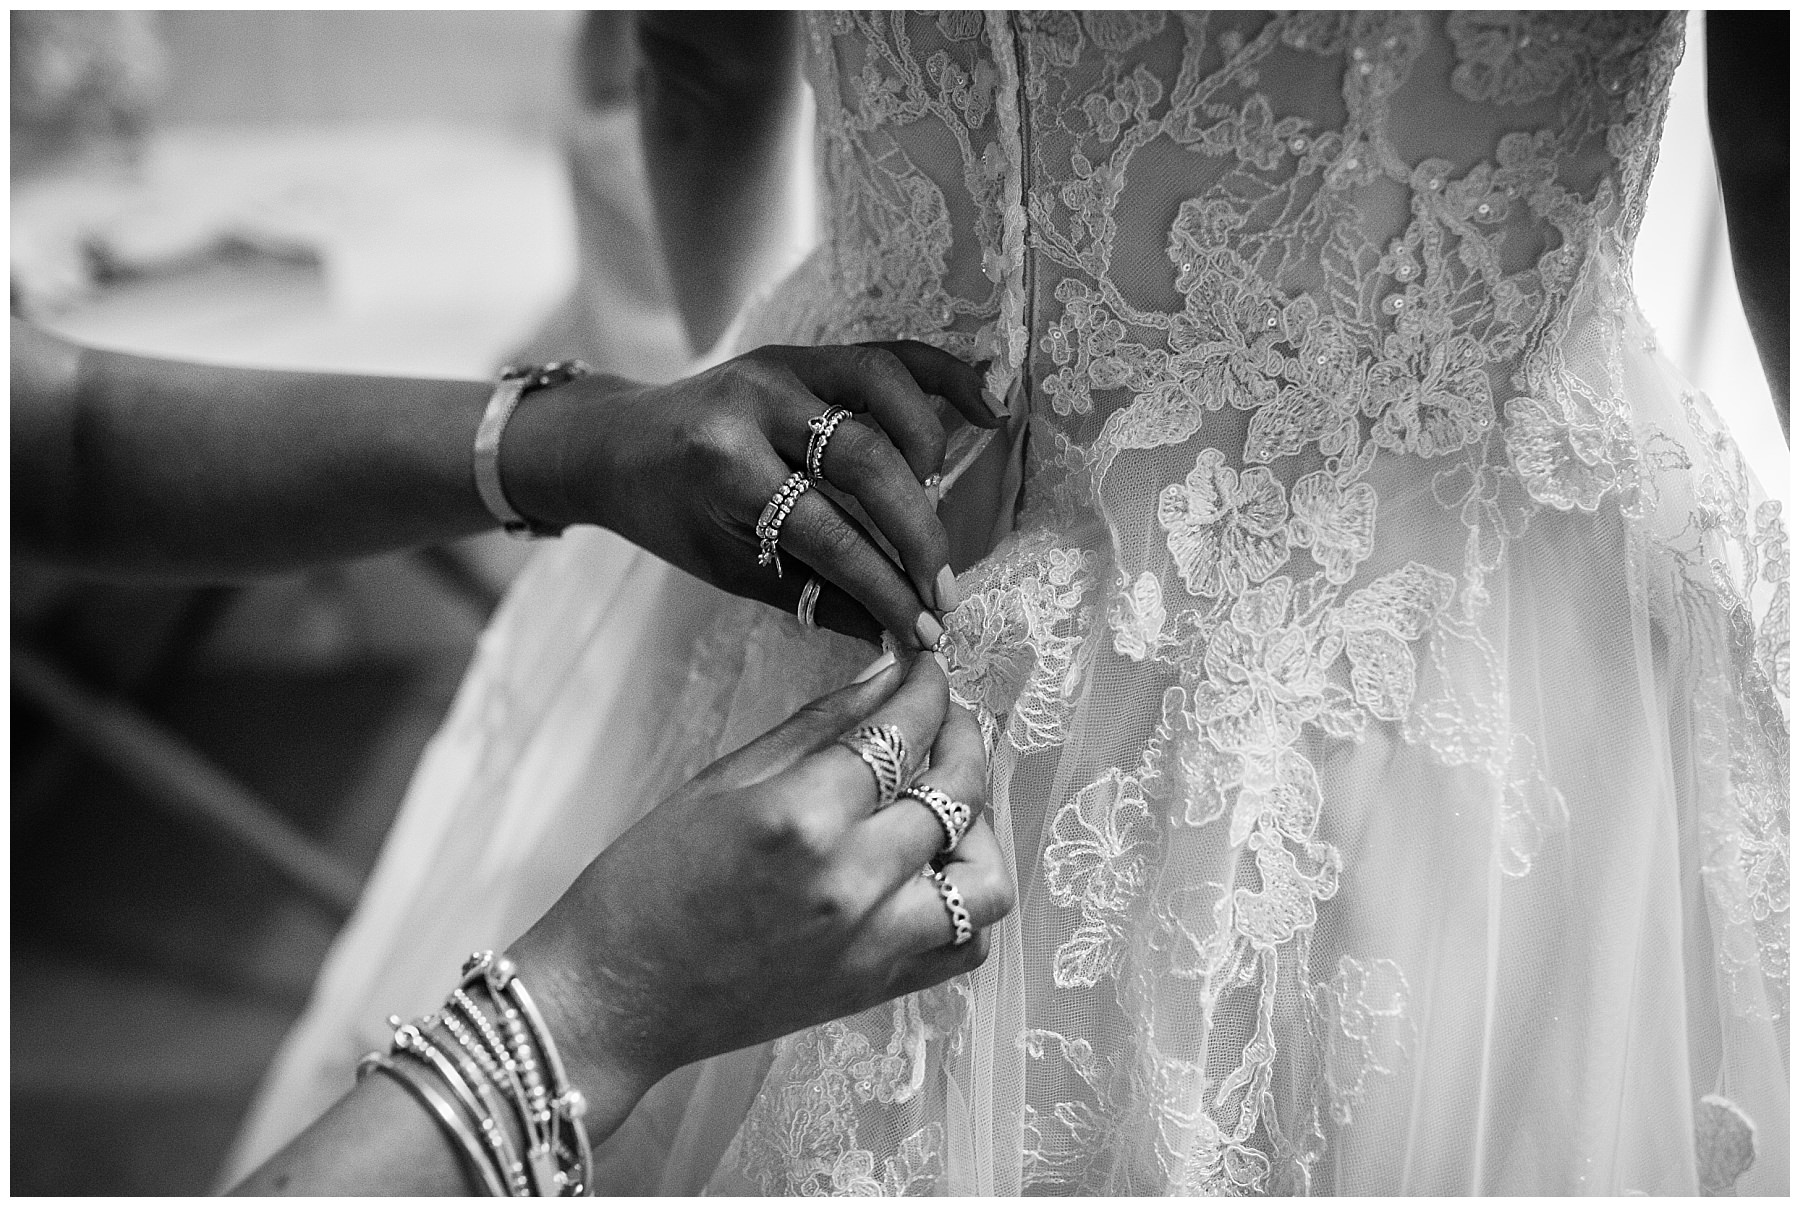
{"points": [[684, 470], [767, 895]]}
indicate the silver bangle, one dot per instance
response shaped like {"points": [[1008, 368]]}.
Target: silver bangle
{"points": [[447, 1116], [514, 383]]}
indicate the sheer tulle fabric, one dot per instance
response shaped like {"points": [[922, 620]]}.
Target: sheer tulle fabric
{"points": [[1384, 658]]}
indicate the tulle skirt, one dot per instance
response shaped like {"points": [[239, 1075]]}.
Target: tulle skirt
{"points": [[1527, 936]]}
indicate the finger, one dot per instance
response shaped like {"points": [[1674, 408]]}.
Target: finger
{"points": [[896, 842], [916, 709], [946, 376], [915, 917], [813, 726], [820, 534], [909, 974], [864, 378], [834, 609], [863, 463]]}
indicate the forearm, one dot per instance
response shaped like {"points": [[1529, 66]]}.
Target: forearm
{"points": [[375, 1140], [379, 1139], [1747, 85], [126, 464], [717, 97]]}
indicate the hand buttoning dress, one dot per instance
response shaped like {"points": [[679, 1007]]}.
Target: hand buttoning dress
{"points": [[1384, 656]]}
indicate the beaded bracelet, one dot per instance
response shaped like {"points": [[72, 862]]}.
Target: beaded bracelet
{"points": [[494, 1066]]}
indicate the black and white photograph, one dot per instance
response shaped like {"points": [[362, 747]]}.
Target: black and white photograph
{"points": [[958, 602]]}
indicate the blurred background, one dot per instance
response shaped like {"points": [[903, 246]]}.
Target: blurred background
{"points": [[201, 778]]}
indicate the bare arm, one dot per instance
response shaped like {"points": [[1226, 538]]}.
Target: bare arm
{"points": [[130, 465], [717, 94], [1747, 100], [768, 894]]}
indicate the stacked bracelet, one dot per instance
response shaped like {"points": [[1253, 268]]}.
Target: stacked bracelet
{"points": [[478, 1070]]}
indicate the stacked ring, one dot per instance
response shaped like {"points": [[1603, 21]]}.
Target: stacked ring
{"points": [[883, 748], [809, 600], [961, 924], [822, 427], [951, 813], [774, 514]]}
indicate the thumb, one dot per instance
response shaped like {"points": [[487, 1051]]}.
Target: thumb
{"points": [[816, 725]]}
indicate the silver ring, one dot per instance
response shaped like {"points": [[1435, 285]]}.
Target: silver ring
{"points": [[774, 514], [960, 922], [951, 813], [822, 428], [883, 748], [809, 599]]}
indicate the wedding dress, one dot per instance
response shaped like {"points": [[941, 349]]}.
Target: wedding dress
{"points": [[1384, 655]]}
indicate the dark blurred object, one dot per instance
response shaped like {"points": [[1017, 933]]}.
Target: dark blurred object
{"points": [[1747, 103], [606, 59], [84, 84]]}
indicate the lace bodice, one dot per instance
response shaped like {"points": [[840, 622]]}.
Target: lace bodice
{"points": [[1318, 335]]}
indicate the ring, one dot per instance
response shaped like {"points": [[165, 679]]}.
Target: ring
{"points": [[774, 514], [809, 599], [953, 905], [883, 748], [951, 813], [822, 427]]}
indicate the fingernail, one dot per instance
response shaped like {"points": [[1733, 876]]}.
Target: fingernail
{"points": [[993, 403], [948, 596], [929, 631], [874, 668], [943, 662]]}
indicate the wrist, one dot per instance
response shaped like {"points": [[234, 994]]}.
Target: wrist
{"points": [[587, 1030], [551, 454]]}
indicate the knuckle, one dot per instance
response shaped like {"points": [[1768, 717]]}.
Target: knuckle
{"points": [[759, 375], [875, 362], [715, 440], [835, 900], [988, 892], [871, 458], [793, 830], [816, 714]]}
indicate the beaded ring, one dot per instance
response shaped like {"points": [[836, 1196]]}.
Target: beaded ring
{"points": [[822, 428], [952, 814], [774, 515]]}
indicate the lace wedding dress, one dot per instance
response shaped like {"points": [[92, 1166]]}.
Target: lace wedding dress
{"points": [[1384, 655]]}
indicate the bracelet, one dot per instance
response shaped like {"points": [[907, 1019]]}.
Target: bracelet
{"points": [[560, 1107], [472, 1067], [515, 382], [473, 1158], [476, 1093]]}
